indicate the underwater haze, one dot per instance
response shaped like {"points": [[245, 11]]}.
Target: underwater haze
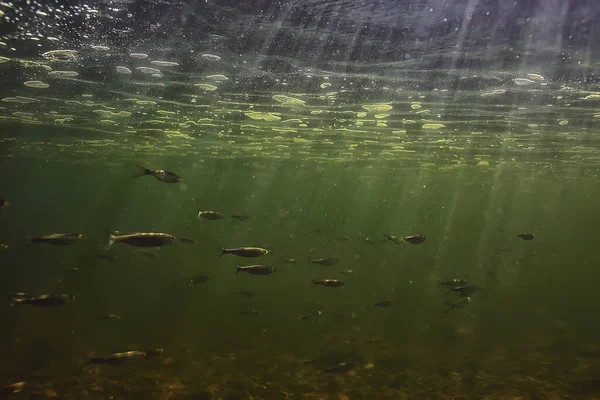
{"points": [[299, 199]]}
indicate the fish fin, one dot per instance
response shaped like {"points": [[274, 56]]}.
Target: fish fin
{"points": [[387, 237], [143, 171]]}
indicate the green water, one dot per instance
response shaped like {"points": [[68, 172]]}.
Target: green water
{"points": [[531, 331]]}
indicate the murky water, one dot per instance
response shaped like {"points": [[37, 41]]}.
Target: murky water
{"points": [[318, 130]]}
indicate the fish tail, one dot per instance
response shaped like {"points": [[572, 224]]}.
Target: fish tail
{"points": [[15, 302], [111, 239], [223, 251], [450, 291], [314, 281], [143, 171], [238, 270]]}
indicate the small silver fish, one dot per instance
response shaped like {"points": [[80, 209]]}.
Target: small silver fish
{"points": [[210, 215], [160, 174], [460, 303], [246, 251], [58, 239], [256, 269], [142, 239], [44, 300], [327, 261], [329, 283], [526, 236]]}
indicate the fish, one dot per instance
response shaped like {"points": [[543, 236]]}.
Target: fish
{"points": [[310, 315], [58, 239], [246, 251], [526, 236], [340, 368], [256, 269], [415, 239], [240, 217], [329, 283], [74, 269], [210, 215], [464, 291], [13, 388], [145, 253], [44, 300], [348, 272], [384, 304], [187, 240], [327, 261], [290, 261], [111, 316], [199, 279], [460, 303], [125, 358], [160, 174], [454, 283], [3, 246], [393, 238], [343, 238], [4, 203], [142, 239]]}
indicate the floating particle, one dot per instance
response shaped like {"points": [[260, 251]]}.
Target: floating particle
{"points": [[563, 122], [523, 81], [288, 101], [217, 78], [433, 126], [206, 86], [158, 75], [483, 163], [164, 63], [361, 115], [101, 48], [415, 106], [123, 70], [494, 92], [147, 70], [138, 56], [107, 122], [211, 57], [262, 116], [36, 84], [325, 85], [535, 77], [381, 116], [64, 55], [63, 74], [380, 107]]}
